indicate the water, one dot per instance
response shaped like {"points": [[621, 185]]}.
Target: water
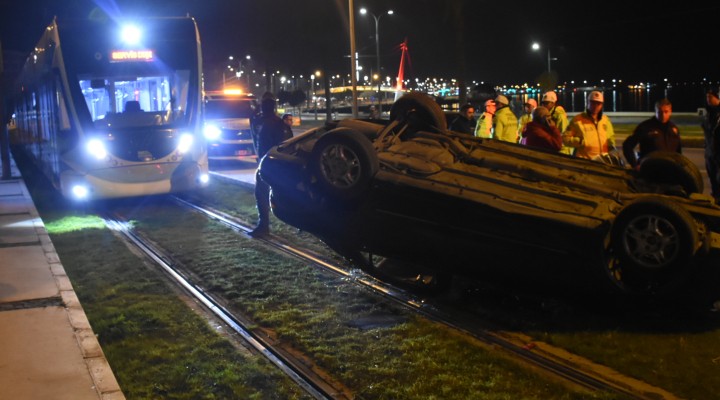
{"points": [[684, 97]]}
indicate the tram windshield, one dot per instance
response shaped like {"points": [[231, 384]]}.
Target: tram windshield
{"points": [[150, 98]]}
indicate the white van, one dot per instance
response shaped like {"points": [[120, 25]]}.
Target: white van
{"points": [[228, 125]]}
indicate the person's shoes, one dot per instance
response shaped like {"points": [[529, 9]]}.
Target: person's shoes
{"points": [[260, 231]]}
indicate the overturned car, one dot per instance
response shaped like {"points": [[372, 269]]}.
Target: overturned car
{"points": [[409, 189]]}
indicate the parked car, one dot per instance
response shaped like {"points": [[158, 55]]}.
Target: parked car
{"points": [[409, 189]]}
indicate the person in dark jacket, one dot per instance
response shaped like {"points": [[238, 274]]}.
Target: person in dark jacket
{"points": [[711, 129], [541, 132], [655, 134], [465, 122], [273, 132]]}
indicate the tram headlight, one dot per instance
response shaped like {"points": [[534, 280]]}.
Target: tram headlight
{"points": [[186, 141], [212, 132], [80, 192], [97, 148], [131, 34]]}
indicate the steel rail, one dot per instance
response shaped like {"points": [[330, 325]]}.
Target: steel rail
{"points": [[315, 386], [564, 370]]}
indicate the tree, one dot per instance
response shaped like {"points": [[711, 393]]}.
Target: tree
{"points": [[297, 97]]}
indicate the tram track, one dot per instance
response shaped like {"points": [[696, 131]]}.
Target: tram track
{"points": [[296, 368], [556, 362]]}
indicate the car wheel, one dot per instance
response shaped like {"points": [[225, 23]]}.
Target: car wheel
{"points": [[421, 108], [664, 167], [652, 245], [343, 162]]}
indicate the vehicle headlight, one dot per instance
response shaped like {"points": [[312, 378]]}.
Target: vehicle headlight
{"points": [[97, 148], [186, 141], [212, 132], [80, 192]]}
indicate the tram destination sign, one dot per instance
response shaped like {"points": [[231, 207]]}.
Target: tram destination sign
{"points": [[131, 55]]}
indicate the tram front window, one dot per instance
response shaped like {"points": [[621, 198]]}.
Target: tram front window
{"points": [[136, 101]]}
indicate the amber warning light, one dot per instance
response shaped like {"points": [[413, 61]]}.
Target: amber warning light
{"points": [[131, 55]]}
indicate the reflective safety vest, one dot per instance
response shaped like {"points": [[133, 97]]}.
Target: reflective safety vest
{"points": [[505, 125], [590, 138], [483, 128]]}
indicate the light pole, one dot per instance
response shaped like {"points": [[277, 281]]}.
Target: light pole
{"points": [[536, 46], [312, 79], [353, 58], [247, 71], [364, 11]]}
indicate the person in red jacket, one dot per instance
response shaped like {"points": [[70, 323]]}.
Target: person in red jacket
{"points": [[541, 132]]}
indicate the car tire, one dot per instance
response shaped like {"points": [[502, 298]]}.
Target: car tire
{"points": [[664, 167], [343, 162], [421, 109], [652, 245]]}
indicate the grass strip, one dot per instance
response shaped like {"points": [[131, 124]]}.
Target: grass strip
{"points": [[336, 323]]}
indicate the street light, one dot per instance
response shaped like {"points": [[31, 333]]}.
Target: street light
{"points": [[247, 70], [536, 46], [312, 79], [240, 69], [364, 11]]}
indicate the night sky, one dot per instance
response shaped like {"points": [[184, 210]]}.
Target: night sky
{"points": [[628, 40]]}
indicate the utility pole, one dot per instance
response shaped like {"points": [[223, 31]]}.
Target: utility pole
{"points": [[353, 59]]}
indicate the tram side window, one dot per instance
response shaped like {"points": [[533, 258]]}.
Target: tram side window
{"points": [[64, 119], [66, 139]]}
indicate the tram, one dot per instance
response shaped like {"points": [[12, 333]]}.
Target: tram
{"points": [[108, 109]]}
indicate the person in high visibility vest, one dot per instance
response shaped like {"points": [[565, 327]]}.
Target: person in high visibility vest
{"points": [[558, 115], [591, 133], [484, 125], [529, 106], [504, 121]]}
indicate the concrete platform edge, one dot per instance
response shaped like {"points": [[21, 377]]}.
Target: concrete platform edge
{"points": [[98, 368]]}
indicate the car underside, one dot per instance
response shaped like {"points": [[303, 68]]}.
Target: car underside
{"points": [[410, 189]]}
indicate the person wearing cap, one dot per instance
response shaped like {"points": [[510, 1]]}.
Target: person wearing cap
{"points": [[655, 134], [558, 115], [591, 133], [528, 107], [541, 132], [465, 120], [483, 128], [711, 130], [504, 122]]}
